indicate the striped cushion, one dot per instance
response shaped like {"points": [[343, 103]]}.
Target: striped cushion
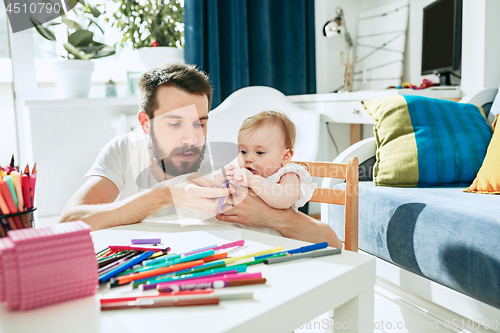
{"points": [[426, 142]]}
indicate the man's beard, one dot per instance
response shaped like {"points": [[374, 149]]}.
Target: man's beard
{"points": [[168, 165]]}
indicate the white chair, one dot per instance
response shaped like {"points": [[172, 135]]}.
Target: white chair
{"points": [[225, 120]]}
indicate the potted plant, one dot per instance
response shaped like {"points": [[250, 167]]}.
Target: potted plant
{"points": [[153, 27], [73, 75]]}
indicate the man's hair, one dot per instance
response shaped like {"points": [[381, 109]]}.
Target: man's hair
{"points": [[182, 76], [273, 118]]}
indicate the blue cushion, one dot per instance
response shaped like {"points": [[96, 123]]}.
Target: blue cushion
{"points": [[444, 234]]}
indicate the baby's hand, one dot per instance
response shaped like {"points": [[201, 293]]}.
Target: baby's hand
{"points": [[242, 177], [219, 180]]}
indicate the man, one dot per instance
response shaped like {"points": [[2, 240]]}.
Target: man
{"points": [[136, 176]]}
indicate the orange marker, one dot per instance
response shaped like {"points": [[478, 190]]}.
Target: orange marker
{"points": [[216, 256], [159, 271]]}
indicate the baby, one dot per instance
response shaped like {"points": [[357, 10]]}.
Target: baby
{"points": [[266, 143]]}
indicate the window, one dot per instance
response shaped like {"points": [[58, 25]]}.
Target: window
{"points": [[8, 137]]}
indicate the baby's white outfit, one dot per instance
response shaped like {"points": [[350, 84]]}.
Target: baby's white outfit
{"points": [[305, 182]]}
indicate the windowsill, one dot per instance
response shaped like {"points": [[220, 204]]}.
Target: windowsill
{"points": [[91, 101]]}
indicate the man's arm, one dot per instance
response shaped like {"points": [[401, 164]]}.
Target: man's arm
{"points": [[253, 212], [94, 204]]}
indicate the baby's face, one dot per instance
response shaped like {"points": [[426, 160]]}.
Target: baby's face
{"points": [[262, 151]]}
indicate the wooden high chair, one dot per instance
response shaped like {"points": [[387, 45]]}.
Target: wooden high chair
{"points": [[348, 197]]}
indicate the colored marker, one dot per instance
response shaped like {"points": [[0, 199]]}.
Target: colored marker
{"points": [[152, 303], [146, 241], [313, 254], [126, 265], [194, 269], [217, 284], [165, 295], [302, 249], [151, 284], [221, 200], [255, 254], [129, 278], [150, 262], [212, 282], [221, 247], [138, 248], [155, 285]]}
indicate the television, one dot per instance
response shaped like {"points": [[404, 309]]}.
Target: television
{"points": [[442, 39]]}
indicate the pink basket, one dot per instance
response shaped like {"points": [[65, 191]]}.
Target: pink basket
{"points": [[39, 267]]}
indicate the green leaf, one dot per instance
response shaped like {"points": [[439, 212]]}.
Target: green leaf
{"points": [[91, 49], [81, 38], [95, 12], [73, 50], [44, 32], [105, 52], [71, 24], [72, 3], [97, 25]]}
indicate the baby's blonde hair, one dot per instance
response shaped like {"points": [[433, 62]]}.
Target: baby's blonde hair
{"points": [[270, 118]]}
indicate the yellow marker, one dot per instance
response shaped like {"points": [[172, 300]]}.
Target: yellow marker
{"points": [[255, 254], [157, 254]]}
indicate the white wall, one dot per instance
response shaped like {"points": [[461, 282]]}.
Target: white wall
{"points": [[8, 139], [328, 64], [329, 68], [480, 45]]}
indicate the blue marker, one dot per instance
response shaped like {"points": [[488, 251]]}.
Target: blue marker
{"points": [[126, 265], [302, 249]]}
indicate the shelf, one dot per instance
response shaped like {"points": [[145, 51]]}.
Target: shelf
{"points": [[83, 102]]}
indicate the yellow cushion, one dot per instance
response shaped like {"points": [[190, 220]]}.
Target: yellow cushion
{"points": [[488, 177]]}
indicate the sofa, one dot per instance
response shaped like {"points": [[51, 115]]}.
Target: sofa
{"points": [[437, 248]]}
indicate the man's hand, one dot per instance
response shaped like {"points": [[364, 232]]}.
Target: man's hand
{"points": [[199, 194], [250, 210], [247, 209]]}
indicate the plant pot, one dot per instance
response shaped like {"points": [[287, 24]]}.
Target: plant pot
{"points": [[152, 57], [73, 77]]}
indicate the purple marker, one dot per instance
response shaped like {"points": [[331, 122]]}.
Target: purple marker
{"points": [[146, 241], [226, 184]]}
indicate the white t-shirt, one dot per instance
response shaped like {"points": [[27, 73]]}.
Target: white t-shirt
{"points": [[125, 161]]}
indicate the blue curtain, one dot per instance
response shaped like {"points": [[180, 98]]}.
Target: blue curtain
{"points": [[242, 43]]}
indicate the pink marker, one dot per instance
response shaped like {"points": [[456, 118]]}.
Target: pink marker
{"points": [[214, 282], [220, 247], [138, 248], [238, 276]]}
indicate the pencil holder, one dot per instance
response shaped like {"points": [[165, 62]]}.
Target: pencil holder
{"points": [[17, 221]]}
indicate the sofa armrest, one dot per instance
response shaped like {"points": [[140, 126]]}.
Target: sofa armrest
{"points": [[480, 97]]}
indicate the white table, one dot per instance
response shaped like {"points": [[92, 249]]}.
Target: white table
{"points": [[295, 292]]}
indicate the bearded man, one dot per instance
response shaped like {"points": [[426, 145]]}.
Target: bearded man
{"points": [[138, 175]]}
